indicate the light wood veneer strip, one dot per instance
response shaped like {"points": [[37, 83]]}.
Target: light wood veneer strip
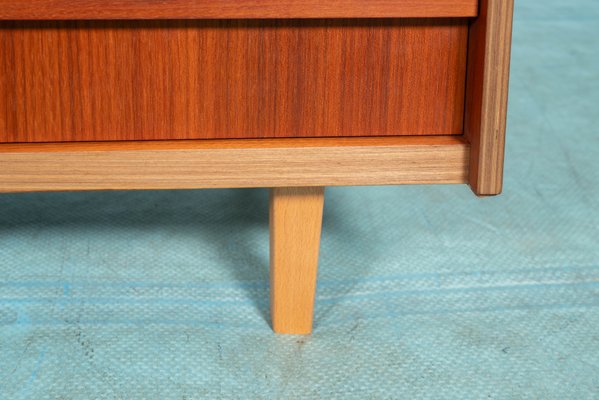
{"points": [[233, 163], [218, 9]]}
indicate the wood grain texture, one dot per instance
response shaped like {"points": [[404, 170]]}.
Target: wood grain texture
{"points": [[233, 163], [156, 80], [206, 9], [487, 94], [295, 228]]}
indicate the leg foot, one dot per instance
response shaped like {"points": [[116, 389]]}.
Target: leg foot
{"points": [[295, 225]]}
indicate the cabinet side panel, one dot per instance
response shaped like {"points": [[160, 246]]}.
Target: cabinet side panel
{"points": [[489, 51], [148, 80]]}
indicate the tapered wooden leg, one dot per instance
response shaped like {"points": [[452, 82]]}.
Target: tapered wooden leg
{"points": [[295, 225]]}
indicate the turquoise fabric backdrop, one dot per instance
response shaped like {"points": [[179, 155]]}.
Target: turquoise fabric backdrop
{"points": [[423, 291]]}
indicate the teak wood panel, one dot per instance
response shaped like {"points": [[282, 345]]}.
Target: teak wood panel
{"points": [[145, 80], [204, 9], [194, 164], [487, 94]]}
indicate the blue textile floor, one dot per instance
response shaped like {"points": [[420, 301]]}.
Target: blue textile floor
{"points": [[423, 292]]}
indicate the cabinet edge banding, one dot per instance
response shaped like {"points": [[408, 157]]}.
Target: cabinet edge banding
{"points": [[233, 164]]}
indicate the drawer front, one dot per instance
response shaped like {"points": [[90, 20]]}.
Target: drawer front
{"points": [[232, 9], [148, 80]]}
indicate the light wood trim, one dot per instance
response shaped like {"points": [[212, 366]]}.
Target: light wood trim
{"points": [[233, 163], [295, 227], [487, 93], [225, 9]]}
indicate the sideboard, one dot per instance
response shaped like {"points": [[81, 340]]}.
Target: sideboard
{"points": [[292, 95]]}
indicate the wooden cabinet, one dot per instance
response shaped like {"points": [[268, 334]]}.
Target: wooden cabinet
{"points": [[288, 94]]}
